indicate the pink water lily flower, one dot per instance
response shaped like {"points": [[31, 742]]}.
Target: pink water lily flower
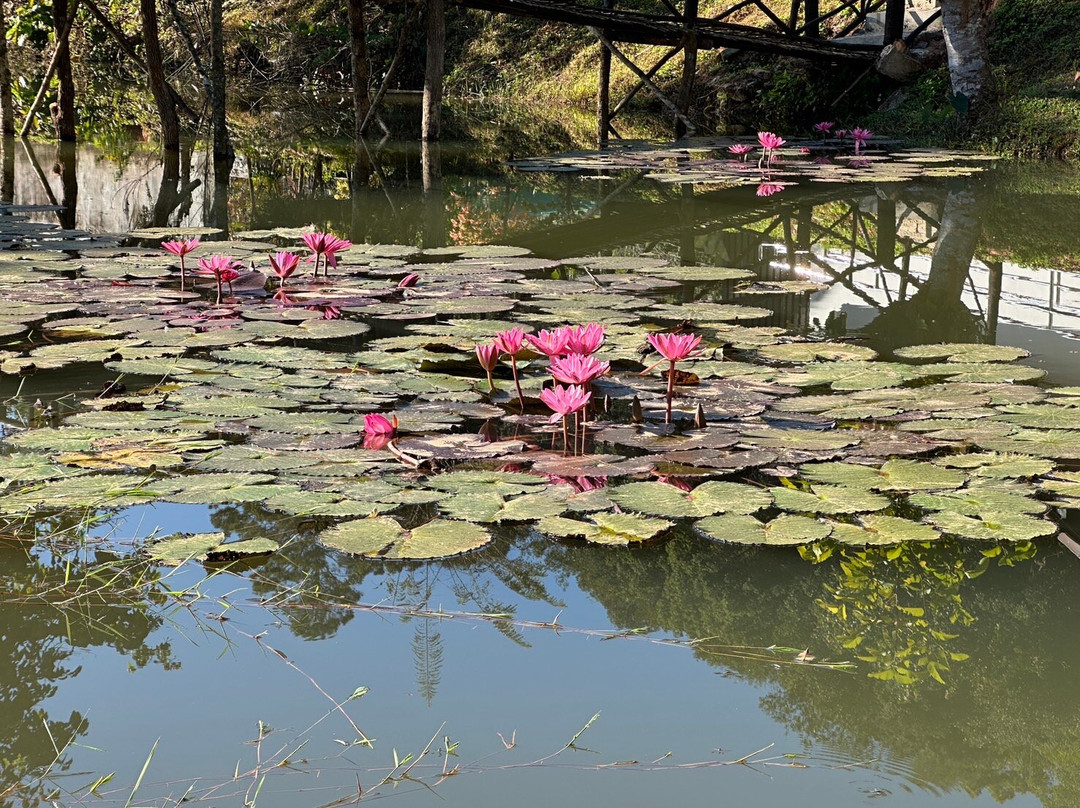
{"points": [[674, 348], [841, 133], [488, 355], [860, 136], [284, 264], [324, 246], [769, 188], [377, 424], [379, 431], [549, 343], [565, 401], [511, 343], [824, 128], [577, 368], [740, 150], [584, 339], [180, 249], [222, 268], [409, 280], [769, 141]]}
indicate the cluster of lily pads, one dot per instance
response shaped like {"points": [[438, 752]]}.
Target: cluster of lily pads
{"points": [[760, 438], [784, 162]]}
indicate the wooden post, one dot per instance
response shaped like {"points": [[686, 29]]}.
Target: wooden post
{"points": [[433, 74], [895, 11], [811, 12], [603, 93], [689, 65]]}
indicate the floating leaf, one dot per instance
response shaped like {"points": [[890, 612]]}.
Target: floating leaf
{"points": [[882, 530], [993, 526], [963, 352], [813, 351], [828, 499], [781, 531], [383, 537], [661, 499]]}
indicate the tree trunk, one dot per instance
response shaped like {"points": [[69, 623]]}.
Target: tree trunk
{"points": [[64, 112], [7, 112], [155, 70], [223, 150], [433, 74], [361, 72], [965, 23]]}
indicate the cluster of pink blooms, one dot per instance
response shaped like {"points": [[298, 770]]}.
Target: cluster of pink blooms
{"points": [[570, 352], [224, 269]]}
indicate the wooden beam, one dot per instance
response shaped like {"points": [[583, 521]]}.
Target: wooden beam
{"points": [[667, 57], [623, 25], [667, 102]]}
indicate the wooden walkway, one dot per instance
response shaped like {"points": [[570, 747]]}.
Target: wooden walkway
{"points": [[789, 28], [624, 25]]}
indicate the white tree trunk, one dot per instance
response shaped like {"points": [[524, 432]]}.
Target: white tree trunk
{"points": [[965, 23]]}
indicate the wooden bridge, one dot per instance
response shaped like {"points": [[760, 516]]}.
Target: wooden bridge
{"points": [[789, 28]]}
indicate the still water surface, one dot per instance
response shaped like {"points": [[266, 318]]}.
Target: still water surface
{"points": [[666, 643]]}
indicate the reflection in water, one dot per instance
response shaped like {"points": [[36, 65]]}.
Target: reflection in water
{"points": [[937, 312], [7, 169], [1001, 722], [64, 167], [52, 611]]}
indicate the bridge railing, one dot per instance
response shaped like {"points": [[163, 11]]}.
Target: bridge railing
{"points": [[805, 17]]}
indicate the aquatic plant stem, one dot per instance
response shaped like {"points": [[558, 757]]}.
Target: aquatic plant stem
{"points": [[670, 391], [491, 383], [217, 279], [517, 382], [565, 436], [183, 273]]}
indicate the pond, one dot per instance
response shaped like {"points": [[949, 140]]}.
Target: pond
{"points": [[834, 579]]}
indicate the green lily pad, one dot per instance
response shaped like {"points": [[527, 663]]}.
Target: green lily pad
{"points": [[661, 499], [993, 526], [963, 352], [180, 547], [814, 351], [784, 530], [829, 499], [882, 530], [383, 537]]}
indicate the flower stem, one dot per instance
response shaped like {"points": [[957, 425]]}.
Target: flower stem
{"points": [[517, 382], [183, 273], [218, 279], [491, 383], [565, 437], [670, 391]]}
